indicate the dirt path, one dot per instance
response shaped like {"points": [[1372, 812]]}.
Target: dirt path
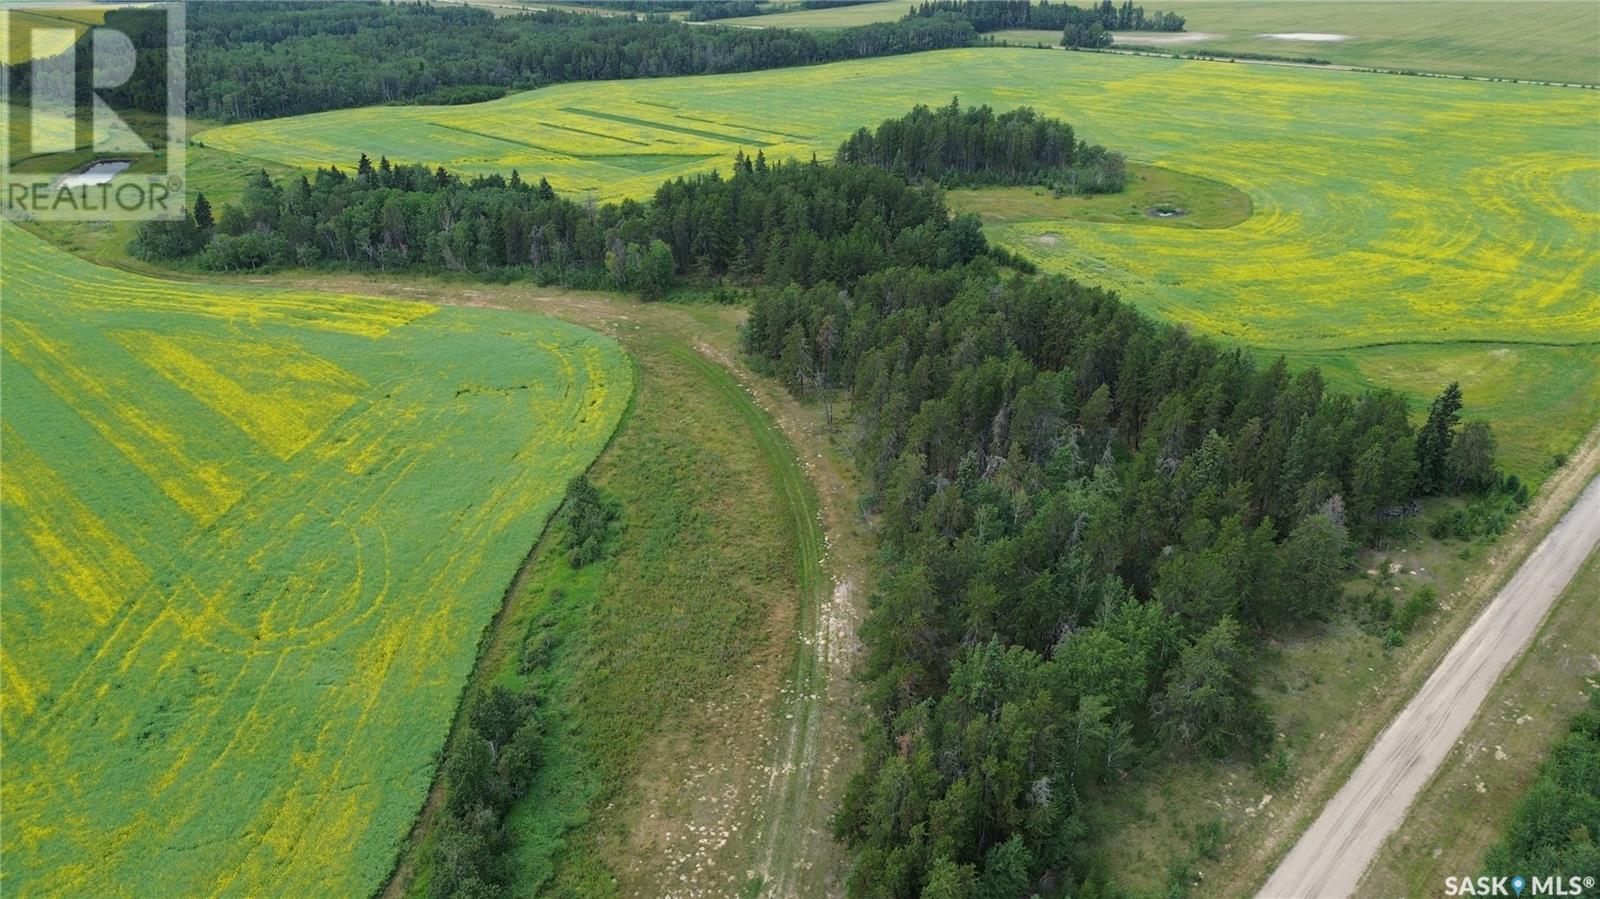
{"points": [[736, 801], [1331, 856], [795, 855]]}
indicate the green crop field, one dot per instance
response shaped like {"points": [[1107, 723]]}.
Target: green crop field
{"points": [[837, 17], [252, 538], [1460, 218], [1547, 40], [38, 30]]}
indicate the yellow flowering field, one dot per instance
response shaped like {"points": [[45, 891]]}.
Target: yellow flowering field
{"points": [[252, 538], [1386, 210]]}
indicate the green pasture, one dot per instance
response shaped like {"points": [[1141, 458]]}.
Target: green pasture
{"points": [[1542, 40], [836, 17]]}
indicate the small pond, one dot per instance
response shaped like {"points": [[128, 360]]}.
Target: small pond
{"points": [[96, 173]]}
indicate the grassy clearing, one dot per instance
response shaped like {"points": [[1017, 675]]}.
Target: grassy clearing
{"points": [[252, 539], [685, 611], [1155, 196], [1027, 37], [1547, 40], [837, 17], [1469, 804], [1541, 399], [666, 621]]}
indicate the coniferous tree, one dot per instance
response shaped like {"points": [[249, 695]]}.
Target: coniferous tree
{"points": [[1435, 439], [202, 212]]}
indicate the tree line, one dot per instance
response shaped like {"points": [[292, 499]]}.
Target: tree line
{"points": [[956, 147], [711, 10], [254, 60], [792, 222], [492, 760], [1080, 26], [801, 223]]}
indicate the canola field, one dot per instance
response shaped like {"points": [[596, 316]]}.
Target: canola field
{"points": [[1386, 210], [252, 538], [1489, 234]]}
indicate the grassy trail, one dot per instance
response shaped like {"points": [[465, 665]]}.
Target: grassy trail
{"points": [[786, 818], [779, 741]]}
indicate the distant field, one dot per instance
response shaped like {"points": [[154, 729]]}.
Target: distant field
{"points": [[59, 29], [1386, 210], [1550, 40], [252, 538], [837, 17], [1507, 170]]}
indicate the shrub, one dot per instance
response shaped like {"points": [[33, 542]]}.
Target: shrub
{"points": [[1414, 609]]}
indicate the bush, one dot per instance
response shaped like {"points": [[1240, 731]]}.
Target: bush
{"points": [[1556, 825], [1414, 609], [589, 519], [160, 241], [1485, 516]]}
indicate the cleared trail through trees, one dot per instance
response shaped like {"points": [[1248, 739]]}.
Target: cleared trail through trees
{"points": [[1334, 852]]}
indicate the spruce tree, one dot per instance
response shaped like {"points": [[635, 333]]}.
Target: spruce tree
{"points": [[1435, 439], [202, 213]]}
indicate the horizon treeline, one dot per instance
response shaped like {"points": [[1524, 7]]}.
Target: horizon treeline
{"points": [[711, 10], [255, 60], [1080, 26]]}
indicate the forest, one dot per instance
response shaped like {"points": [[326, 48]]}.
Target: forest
{"points": [[1080, 26], [255, 60], [1090, 521], [792, 222], [975, 147]]}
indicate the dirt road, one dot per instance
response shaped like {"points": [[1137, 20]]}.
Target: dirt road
{"points": [[1331, 856]]}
